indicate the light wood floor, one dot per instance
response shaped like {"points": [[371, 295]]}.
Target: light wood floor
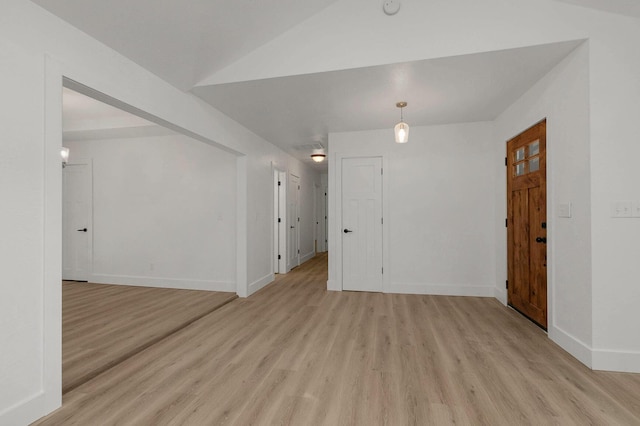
{"points": [[295, 354], [105, 324]]}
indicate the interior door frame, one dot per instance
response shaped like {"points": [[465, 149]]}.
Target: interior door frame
{"points": [[335, 222], [280, 228], [89, 163]]}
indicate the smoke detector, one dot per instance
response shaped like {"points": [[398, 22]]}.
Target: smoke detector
{"points": [[391, 7]]}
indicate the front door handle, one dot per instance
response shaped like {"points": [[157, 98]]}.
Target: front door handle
{"points": [[82, 230], [346, 231], [541, 240]]}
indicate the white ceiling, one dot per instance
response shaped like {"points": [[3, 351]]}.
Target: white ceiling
{"points": [[185, 41], [621, 7], [85, 118], [296, 111]]}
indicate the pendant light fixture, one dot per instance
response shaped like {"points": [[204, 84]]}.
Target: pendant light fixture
{"points": [[402, 129]]}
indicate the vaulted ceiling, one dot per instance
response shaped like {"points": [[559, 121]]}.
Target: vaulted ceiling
{"points": [[184, 42]]}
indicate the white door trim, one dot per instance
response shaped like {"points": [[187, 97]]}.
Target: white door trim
{"points": [[279, 228]]}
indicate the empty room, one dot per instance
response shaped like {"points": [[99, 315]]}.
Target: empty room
{"points": [[418, 212]]}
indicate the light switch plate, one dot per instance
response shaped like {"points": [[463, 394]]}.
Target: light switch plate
{"points": [[621, 209], [564, 210]]}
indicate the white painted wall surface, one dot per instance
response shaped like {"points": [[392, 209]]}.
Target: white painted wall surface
{"points": [[615, 148], [22, 183], [438, 203], [163, 212], [562, 97]]}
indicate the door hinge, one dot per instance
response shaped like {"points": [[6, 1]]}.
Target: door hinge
{"points": [[279, 183], [381, 171], [279, 220], [298, 219], [298, 251], [507, 283], [506, 222], [279, 257], [383, 271], [505, 161], [382, 221], [298, 186]]}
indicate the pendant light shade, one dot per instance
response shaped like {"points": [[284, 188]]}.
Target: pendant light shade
{"points": [[402, 129], [402, 132]]}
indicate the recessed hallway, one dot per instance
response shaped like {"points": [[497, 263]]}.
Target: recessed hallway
{"points": [[296, 354]]}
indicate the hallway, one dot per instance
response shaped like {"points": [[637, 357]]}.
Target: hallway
{"points": [[296, 354]]}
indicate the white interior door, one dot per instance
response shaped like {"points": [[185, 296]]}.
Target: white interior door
{"points": [[293, 222], [76, 217], [362, 224]]}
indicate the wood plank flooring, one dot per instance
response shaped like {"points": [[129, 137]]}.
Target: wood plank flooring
{"points": [[104, 324], [295, 354]]}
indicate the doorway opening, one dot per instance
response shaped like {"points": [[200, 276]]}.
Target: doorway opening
{"points": [[129, 237]]}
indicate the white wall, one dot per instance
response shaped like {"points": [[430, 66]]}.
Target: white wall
{"points": [[438, 207], [562, 97], [23, 260], [38, 49], [163, 212]]}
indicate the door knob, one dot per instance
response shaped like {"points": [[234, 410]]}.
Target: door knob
{"points": [[82, 230], [541, 240], [346, 231]]}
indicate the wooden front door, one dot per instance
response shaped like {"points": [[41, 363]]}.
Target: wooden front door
{"points": [[527, 223]]}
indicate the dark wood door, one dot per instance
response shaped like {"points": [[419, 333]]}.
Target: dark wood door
{"points": [[527, 223]]}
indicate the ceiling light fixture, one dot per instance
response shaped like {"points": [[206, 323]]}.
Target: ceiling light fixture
{"points": [[318, 155], [402, 129]]}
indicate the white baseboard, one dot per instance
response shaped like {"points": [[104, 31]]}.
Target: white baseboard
{"points": [[332, 285], [621, 361], [25, 412], [260, 283], [501, 295], [142, 281], [442, 289], [307, 256], [577, 348]]}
